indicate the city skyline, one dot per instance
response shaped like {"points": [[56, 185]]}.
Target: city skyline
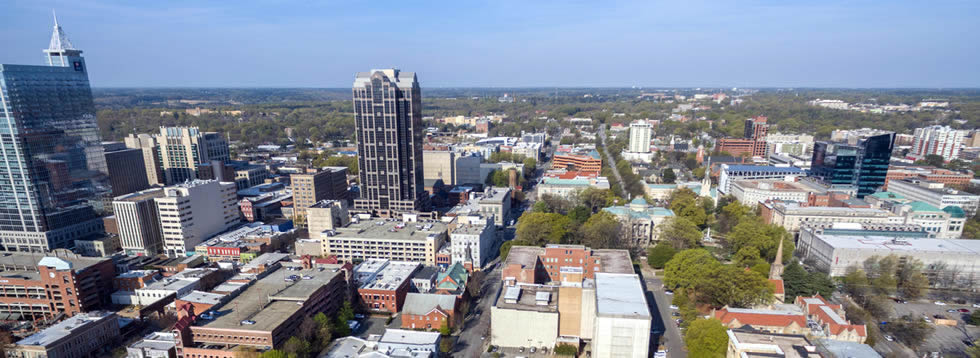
{"points": [[761, 44]]}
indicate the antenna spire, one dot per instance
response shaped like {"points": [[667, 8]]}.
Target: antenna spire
{"points": [[55, 14]]}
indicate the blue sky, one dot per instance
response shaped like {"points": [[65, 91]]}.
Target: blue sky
{"points": [[309, 43]]}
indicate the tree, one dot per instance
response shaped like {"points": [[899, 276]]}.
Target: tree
{"points": [[881, 273], [731, 213], [934, 160], [658, 256], [698, 172], [538, 229], [296, 347], [595, 199], [911, 331], [856, 284], [688, 208], [680, 232], [747, 257], [974, 318], [736, 287], [579, 214], [445, 330], [669, 177], [530, 166], [798, 282], [505, 249], [273, 353], [689, 268], [566, 350], [911, 282], [601, 231], [706, 338]]}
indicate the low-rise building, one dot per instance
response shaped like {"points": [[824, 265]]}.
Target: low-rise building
{"points": [[473, 242], [100, 247], [570, 184], [244, 243], [405, 343], [178, 285], [385, 239], [428, 311], [750, 343], [731, 173], [383, 284], [622, 323], [812, 316], [792, 216], [753, 192], [525, 316], [326, 215], [935, 194], [154, 345], [83, 335]]}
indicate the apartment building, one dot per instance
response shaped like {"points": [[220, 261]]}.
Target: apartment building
{"points": [[386, 239], [330, 183], [383, 284], [138, 222]]}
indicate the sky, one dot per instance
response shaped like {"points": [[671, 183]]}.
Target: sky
{"points": [[503, 43]]}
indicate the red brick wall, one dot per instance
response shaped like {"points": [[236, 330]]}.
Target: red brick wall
{"points": [[434, 320]]}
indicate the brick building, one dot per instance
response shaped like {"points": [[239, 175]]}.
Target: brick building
{"points": [[38, 286], [428, 311], [527, 264], [584, 163], [384, 284]]}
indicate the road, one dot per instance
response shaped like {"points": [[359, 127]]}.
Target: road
{"points": [[477, 324], [609, 157], [659, 303]]}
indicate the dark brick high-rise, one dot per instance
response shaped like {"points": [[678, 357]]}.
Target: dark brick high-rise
{"points": [[388, 118]]}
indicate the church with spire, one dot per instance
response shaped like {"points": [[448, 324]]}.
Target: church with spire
{"points": [[61, 183]]}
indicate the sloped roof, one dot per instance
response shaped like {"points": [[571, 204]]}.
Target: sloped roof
{"points": [[759, 317], [955, 211], [423, 303], [457, 277], [778, 284]]}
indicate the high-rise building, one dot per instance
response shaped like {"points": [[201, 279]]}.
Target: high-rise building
{"points": [[182, 149], [194, 211], [138, 222], [936, 140], [147, 144], [120, 161], [54, 173], [862, 167], [756, 128], [330, 183], [640, 137], [388, 118]]}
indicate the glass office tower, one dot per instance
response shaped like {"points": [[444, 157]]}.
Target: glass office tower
{"points": [[862, 167], [53, 176]]}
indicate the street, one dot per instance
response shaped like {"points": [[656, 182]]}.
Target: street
{"points": [[476, 325], [609, 157], [659, 303]]}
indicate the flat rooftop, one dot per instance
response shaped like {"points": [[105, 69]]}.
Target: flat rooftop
{"points": [[468, 229], [64, 328], [142, 195], [265, 259], [391, 230], [620, 295], [780, 185], [900, 246], [527, 298], [406, 336], [269, 301], [25, 266], [391, 276], [757, 344], [203, 297]]}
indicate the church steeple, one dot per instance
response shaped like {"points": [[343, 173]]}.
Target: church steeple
{"points": [[60, 51], [776, 271]]}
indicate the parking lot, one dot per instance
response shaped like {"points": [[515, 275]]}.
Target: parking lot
{"points": [[945, 339]]}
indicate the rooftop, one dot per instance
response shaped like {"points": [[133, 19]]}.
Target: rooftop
{"points": [[269, 301], [141, 195], [64, 328], [900, 247], [391, 276], [203, 297], [405, 336], [758, 344], [393, 230], [620, 295], [159, 341], [763, 168], [25, 266], [525, 298], [265, 259]]}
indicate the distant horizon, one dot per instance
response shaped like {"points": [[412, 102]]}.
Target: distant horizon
{"points": [[831, 44]]}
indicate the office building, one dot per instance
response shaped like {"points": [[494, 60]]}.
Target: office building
{"points": [[388, 121], [791, 216], [936, 140], [147, 144], [947, 177], [935, 194], [39, 286], [862, 166], [730, 173], [182, 149], [138, 222], [587, 163], [178, 285], [756, 128], [394, 240], [84, 335], [542, 265], [640, 137], [121, 162], [622, 319], [568, 184], [641, 221], [473, 241], [194, 211], [752, 192], [56, 180], [330, 183]]}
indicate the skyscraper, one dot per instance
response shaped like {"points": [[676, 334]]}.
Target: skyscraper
{"points": [[388, 118], [640, 137], [53, 176], [862, 167]]}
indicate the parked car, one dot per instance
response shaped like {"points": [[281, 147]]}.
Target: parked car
{"points": [[940, 303], [976, 305], [675, 314], [248, 322], [673, 307], [963, 310], [890, 338], [533, 349], [668, 292]]}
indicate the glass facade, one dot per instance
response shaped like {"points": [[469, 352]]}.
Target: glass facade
{"points": [[862, 167], [53, 176]]}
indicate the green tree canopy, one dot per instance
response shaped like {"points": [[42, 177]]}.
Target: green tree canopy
{"points": [[680, 232], [659, 255], [538, 229], [689, 268], [601, 231], [706, 338]]}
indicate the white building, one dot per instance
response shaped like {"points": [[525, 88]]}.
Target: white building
{"points": [[494, 202], [622, 324], [138, 222], [641, 221], [640, 137], [752, 192], [473, 240], [179, 285], [938, 140], [935, 194], [394, 240], [730, 173], [566, 188], [194, 211], [154, 345], [791, 216], [408, 343]]}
